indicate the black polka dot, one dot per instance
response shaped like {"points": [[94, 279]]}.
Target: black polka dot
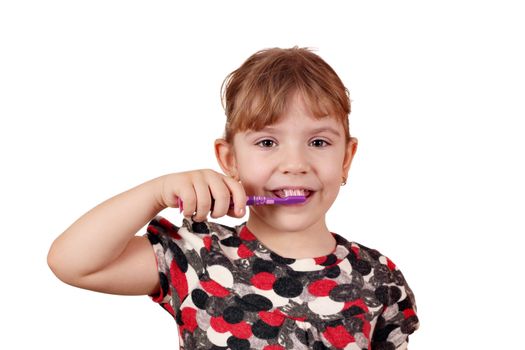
{"points": [[153, 238], [254, 302], [235, 343], [264, 331], [405, 304], [388, 295], [199, 227], [361, 266], [178, 255], [261, 265], [345, 292], [233, 314], [231, 241], [199, 298], [287, 287], [330, 260], [178, 317], [333, 272], [352, 311], [384, 346], [409, 325], [318, 345]]}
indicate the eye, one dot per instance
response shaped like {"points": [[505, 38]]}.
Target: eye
{"points": [[319, 142], [266, 143]]}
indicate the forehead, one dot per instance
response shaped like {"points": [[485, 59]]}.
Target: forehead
{"points": [[301, 124]]}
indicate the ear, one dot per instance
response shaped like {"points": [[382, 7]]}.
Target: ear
{"points": [[351, 148], [225, 155]]}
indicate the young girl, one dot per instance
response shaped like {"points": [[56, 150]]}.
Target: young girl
{"points": [[280, 280]]}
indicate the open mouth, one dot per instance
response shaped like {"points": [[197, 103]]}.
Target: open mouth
{"points": [[295, 192]]}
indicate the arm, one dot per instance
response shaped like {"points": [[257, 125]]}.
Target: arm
{"points": [[100, 251]]}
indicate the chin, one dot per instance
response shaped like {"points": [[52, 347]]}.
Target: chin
{"points": [[293, 222]]}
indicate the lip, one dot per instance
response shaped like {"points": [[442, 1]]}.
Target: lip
{"points": [[312, 193], [293, 188]]}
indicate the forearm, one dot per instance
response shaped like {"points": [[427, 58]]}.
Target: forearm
{"points": [[101, 235]]}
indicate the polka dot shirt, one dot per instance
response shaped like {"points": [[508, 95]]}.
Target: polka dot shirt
{"points": [[226, 290]]}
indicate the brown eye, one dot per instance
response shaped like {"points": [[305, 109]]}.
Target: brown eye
{"points": [[265, 143], [319, 143]]}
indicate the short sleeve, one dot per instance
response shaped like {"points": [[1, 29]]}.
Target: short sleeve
{"points": [[178, 261], [399, 316]]}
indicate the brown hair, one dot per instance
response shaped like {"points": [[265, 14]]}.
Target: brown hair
{"points": [[255, 94]]}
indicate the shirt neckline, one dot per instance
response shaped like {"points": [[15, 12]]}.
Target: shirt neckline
{"points": [[318, 263]]}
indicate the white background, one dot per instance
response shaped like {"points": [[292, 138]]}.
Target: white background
{"points": [[97, 97]]}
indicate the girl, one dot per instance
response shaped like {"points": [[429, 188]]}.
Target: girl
{"points": [[280, 280]]}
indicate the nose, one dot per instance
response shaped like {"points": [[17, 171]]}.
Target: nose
{"points": [[294, 160]]}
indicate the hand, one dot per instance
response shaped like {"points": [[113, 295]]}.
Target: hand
{"points": [[197, 188]]}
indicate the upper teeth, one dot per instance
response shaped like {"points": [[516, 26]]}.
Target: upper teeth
{"points": [[292, 192]]}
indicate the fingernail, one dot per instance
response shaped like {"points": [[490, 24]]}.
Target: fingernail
{"points": [[240, 211]]}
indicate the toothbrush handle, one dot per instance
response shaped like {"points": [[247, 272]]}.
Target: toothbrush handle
{"points": [[252, 200]]}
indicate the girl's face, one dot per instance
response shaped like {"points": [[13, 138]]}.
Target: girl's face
{"points": [[296, 152]]}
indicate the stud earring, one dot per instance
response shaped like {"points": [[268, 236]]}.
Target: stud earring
{"points": [[344, 181]]}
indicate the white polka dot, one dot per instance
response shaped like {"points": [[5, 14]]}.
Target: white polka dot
{"points": [[191, 277], [221, 275], [352, 346], [345, 266], [203, 319], [306, 265], [219, 339], [325, 306]]}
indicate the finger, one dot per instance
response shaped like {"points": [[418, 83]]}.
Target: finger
{"points": [[202, 192], [238, 195], [221, 197], [189, 200]]}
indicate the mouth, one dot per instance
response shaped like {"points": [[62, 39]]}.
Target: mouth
{"points": [[283, 193]]}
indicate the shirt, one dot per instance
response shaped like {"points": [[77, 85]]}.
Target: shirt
{"points": [[226, 290]]}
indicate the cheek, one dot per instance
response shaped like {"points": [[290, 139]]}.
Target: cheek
{"points": [[252, 174]]}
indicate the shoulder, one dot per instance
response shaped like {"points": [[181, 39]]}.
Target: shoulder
{"points": [[373, 265], [160, 228]]}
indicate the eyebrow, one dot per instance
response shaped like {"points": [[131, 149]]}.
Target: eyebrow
{"points": [[313, 131]]}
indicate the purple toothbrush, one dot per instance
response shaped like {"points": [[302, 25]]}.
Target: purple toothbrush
{"points": [[260, 200]]}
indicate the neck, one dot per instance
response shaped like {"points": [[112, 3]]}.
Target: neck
{"points": [[308, 242]]}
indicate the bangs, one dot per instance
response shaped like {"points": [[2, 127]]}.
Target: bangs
{"points": [[257, 94]]}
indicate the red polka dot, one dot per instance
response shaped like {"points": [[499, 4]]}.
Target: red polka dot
{"points": [[272, 318], [179, 280], [214, 288], [321, 288], [207, 242], [408, 312], [390, 264], [319, 260], [357, 302], [189, 318], [219, 324], [246, 234], [263, 280], [338, 336], [244, 252], [273, 347], [241, 330], [168, 226]]}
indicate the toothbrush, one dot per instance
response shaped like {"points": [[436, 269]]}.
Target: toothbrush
{"points": [[260, 200]]}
